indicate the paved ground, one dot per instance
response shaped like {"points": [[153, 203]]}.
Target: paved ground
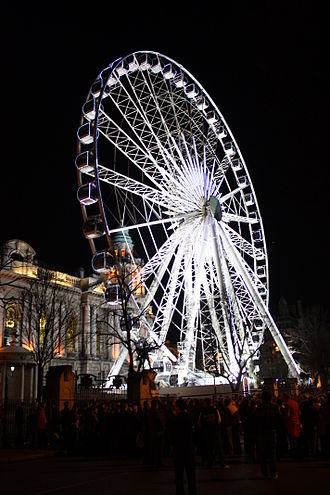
{"points": [[42, 473]]}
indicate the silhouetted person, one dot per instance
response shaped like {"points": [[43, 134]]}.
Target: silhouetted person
{"points": [[181, 437], [324, 427], [309, 418], [65, 422], [209, 424], [292, 423], [155, 434], [267, 422], [42, 426], [246, 410], [31, 427]]}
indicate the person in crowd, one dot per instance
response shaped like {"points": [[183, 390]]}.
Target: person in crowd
{"points": [[146, 456], [31, 426], [267, 422], [65, 424], [208, 423], [309, 418], [74, 430], [235, 427], [227, 428], [42, 436], [246, 413], [282, 437], [181, 437], [232, 422], [292, 422], [155, 434], [324, 427]]}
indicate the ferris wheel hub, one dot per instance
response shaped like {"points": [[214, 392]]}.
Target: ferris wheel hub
{"points": [[203, 206]]}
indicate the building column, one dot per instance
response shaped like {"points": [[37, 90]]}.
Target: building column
{"points": [[108, 340], [86, 329], [93, 330], [32, 368], [21, 327], [35, 383], [25, 321]]}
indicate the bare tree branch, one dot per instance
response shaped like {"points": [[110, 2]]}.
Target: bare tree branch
{"points": [[131, 315]]}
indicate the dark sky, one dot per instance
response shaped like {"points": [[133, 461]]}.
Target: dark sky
{"points": [[265, 64]]}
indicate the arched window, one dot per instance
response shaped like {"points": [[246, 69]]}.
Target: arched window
{"points": [[71, 334], [16, 256], [11, 322]]}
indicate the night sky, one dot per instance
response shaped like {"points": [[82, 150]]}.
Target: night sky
{"points": [[266, 66]]}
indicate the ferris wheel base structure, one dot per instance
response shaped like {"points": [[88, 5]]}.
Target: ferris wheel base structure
{"points": [[159, 167]]}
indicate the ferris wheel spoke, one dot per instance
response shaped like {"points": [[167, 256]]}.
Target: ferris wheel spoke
{"points": [[161, 259], [155, 222], [132, 150], [231, 195], [155, 111], [222, 168], [241, 244], [138, 117], [168, 304], [229, 217], [246, 303], [167, 108], [158, 265], [151, 113], [178, 276], [118, 180]]}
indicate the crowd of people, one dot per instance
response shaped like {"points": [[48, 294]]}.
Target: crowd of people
{"points": [[221, 429], [212, 432], [258, 428]]}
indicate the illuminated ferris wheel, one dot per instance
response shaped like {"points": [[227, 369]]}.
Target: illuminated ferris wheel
{"points": [[158, 165]]}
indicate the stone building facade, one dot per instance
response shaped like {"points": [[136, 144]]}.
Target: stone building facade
{"points": [[84, 343]]}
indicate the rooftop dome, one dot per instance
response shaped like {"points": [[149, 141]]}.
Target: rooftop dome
{"points": [[122, 238]]}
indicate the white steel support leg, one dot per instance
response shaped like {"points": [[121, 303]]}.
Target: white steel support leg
{"points": [[240, 338], [192, 295], [119, 362], [226, 317], [238, 264], [215, 323]]}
